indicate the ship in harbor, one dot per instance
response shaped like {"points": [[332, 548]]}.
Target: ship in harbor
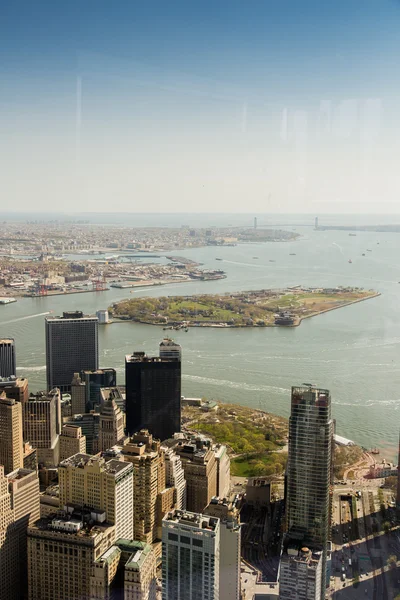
{"points": [[284, 318], [7, 300]]}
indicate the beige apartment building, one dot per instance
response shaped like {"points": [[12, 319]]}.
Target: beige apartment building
{"points": [[72, 441], [200, 467], [90, 481], [19, 507], [111, 425], [11, 442], [148, 461], [126, 570], [61, 553]]}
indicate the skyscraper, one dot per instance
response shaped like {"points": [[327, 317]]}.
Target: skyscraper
{"points": [[7, 357], [230, 539], [170, 349], [61, 553], [153, 394], [104, 486], [309, 465], [78, 395], [148, 463], [200, 468], [111, 425], [72, 441], [301, 574], [19, 507], [190, 556], [42, 425], [309, 475], [71, 347], [11, 442], [94, 381]]}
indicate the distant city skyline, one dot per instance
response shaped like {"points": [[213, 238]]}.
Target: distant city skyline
{"points": [[288, 107]]}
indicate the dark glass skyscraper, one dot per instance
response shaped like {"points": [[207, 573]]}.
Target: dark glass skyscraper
{"points": [[153, 394], [94, 380], [7, 357], [71, 347], [309, 475]]}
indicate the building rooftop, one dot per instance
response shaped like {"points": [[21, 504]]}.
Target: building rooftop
{"points": [[78, 524], [113, 466], [12, 380], [190, 519], [73, 315]]}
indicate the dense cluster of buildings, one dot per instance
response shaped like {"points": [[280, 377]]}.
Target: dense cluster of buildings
{"points": [[103, 496]]}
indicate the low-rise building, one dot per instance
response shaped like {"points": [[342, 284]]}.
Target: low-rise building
{"points": [[72, 441]]}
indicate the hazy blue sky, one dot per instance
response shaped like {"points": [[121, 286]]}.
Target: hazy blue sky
{"points": [[258, 105]]}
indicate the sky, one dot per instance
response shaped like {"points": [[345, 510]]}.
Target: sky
{"points": [[271, 106]]}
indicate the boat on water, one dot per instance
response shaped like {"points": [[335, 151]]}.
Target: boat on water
{"points": [[292, 254], [350, 261], [271, 260], [218, 259], [7, 300], [255, 257], [352, 234], [369, 250], [363, 254]]}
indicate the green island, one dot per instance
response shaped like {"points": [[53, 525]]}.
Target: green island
{"points": [[256, 440], [261, 308]]}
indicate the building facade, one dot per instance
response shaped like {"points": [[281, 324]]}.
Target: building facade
{"points": [[175, 476], [19, 508], [42, 425], [148, 461], [78, 395], [86, 480], [127, 570], [223, 470], [190, 556], [153, 395], [61, 553], [71, 347], [309, 471], [15, 387], [300, 574], [230, 540], [8, 366], [11, 439], [200, 468], [94, 381], [72, 441], [111, 425]]}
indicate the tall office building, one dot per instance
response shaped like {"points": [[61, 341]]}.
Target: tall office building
{"points": [[200, 467], [15, 387], [148, 462], [7, 357], [153, 394], [72, 441], [71, 347], [94, 381], [19, 508], [170, 350], [104, 486], [230, 539], [301, 574], [111, 425], [78, 395], [223, 470], [42, 425], [127, 570], [190, 556], [90, 425], [175, 476], [61, 553], [309, 475], [398, 481], [11, 442]]}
